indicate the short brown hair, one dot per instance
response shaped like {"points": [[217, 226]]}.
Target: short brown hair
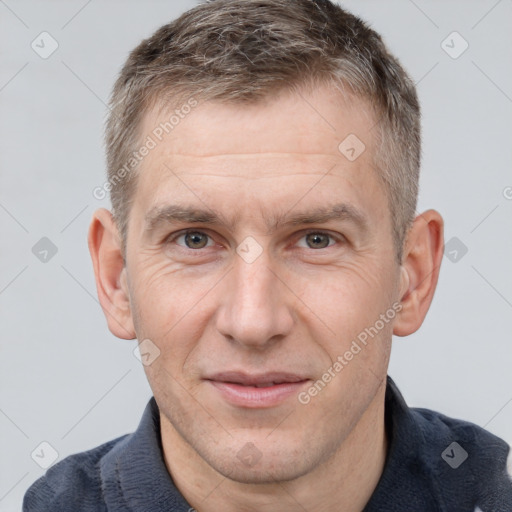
{"points": [[242, 51]]}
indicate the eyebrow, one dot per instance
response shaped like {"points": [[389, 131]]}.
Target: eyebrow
{"points": [[172, 214], [340, 211]]}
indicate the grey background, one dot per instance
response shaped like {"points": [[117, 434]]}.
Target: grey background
{"points": [[66, 380]]}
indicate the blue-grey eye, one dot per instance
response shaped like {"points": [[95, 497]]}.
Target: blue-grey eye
{"points": [[317, 240], [195, 239]]}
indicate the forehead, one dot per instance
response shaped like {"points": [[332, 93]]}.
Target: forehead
{"points": [[264, 155], [308, 122]]}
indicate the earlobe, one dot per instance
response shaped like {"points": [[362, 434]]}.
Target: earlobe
{"points": [[110, 273], [419, 271]]}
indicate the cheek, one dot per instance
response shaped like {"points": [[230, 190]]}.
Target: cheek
{"points": [[349, 299], [350, 302], [359, 347], [168, 309], [164, 291]]}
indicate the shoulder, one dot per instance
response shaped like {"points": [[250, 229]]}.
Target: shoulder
{"points": [[466, 457], [72, 484], [441, 431]]}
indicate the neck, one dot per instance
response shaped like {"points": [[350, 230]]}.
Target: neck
{"points": [[345, 481]]}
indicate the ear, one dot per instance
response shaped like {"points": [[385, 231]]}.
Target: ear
{"points": [[110, 272], [419, 271]]}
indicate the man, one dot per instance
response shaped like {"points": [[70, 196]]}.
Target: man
{"points": [[263, 161]]}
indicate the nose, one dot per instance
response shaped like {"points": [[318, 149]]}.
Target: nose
{"points": [[255, 308]]}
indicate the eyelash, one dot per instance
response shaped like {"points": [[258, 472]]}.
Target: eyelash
{"points": [[174, 236]]}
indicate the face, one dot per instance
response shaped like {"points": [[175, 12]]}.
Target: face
{"points": [[258, 255]]}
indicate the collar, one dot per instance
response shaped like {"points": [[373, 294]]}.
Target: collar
{"points": [[405, 474], [134, 474]]}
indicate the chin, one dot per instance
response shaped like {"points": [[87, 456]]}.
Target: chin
{"points": [[272, 464], [268, 473]]}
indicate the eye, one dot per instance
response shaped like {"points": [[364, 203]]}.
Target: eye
{"points": [[317, 240], [193, 240]]}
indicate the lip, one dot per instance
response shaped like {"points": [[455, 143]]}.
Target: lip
{"points": [[244, 390]]}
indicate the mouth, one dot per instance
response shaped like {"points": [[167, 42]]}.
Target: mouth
{"points": [[257, 391]]}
